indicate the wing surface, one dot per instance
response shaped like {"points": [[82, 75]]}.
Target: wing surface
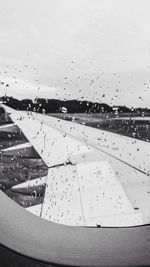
{"points": [[81, 186]]}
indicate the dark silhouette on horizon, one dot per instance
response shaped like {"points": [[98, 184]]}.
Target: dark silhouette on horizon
{"points": [[43, 105]]}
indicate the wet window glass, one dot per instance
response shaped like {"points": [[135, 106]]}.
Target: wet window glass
{"points": [[75, 112]]}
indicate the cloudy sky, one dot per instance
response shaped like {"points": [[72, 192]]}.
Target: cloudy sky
{"points": [[96, 50]]}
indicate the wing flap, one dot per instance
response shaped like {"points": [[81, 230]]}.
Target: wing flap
{"points": [[87, 194]]}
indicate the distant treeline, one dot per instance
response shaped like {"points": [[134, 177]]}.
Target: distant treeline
{"points": [[43, 105]]}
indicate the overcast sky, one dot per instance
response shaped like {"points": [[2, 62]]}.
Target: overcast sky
{"points": [[96, 50]]}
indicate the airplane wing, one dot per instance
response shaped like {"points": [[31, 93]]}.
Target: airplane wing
{"points": [[81, 187], [92, 178]]}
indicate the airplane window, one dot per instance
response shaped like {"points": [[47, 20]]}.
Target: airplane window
{"points": [[74, 111]]}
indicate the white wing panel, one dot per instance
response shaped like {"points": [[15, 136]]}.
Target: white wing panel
{"points": [[129, 150], [53, 145], [62, 200], [103, 197], [36, 209], [87, 194]]}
